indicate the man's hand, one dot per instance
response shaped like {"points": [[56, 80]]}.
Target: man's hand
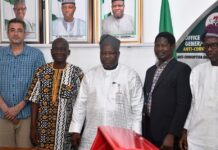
{"points": [[183, 145], [34, 136], [168, 142], [75, 140], [3, 105], [4, 108], [12, 112]]}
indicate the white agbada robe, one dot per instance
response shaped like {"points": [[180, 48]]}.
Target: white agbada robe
{"points": [[123, 26], [112, 98], [75, 28], [202, 121]]}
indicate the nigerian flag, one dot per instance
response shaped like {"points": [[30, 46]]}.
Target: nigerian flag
{"points": [[106, 8], [165, 20], [56, 9], [8, 8]]}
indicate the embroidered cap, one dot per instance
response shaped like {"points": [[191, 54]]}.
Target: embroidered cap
{"points": [[211, 31], [68, 2], [107, 39], [19, 1], [116, 0]]}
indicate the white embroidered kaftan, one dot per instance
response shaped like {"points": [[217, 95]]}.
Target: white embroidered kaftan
{"points": [[107, 97], [202, 121]]}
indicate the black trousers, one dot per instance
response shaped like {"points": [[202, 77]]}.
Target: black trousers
{"points": [[146, 133]]}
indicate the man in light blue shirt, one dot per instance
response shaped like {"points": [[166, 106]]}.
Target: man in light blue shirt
{"points": [[17, 65]]}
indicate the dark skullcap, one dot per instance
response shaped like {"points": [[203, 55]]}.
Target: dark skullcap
{"points": [[210, 31], [68, 2], [107, 39], [116, 0], [19, 1]]}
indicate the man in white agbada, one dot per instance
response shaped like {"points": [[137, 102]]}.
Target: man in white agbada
{"points": [[69, 25], [201, 127], [110, 95], [118, 23]]}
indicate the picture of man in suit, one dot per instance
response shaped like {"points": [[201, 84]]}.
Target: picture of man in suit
{"points": [[167, 95]]}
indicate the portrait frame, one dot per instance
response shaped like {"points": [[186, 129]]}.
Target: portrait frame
{"points": [[53, 12], [103, 9], [33, 20]]}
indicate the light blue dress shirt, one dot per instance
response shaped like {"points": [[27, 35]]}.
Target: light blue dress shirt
{"points": [[16, 75]]}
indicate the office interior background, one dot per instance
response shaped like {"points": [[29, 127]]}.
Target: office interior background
{"points": [[139, 56]]}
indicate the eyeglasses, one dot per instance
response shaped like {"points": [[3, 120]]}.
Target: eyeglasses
{"points": [[14, 30], [210, 45]]}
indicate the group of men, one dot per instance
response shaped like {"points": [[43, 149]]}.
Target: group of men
{"points": [[57, 106], [37, 99]]}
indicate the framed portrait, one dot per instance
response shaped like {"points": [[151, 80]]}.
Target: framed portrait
{"points": [[122, 19], [30, 11], [70, 21]]}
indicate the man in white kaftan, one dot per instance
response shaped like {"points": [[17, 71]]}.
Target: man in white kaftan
{"points": [[202, 121], [110, 95], [201, 127], [118, 23]]}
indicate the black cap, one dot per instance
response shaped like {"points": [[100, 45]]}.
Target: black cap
{"points": [[107, 39], [116, 0]]}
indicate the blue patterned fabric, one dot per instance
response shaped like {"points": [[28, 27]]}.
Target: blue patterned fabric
{"points": [[16, 74]]}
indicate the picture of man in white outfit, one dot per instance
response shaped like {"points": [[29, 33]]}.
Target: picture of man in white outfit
{"points": [[68, 25], [20, 12], [118, 23]]}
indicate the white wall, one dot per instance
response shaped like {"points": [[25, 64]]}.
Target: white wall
{"points": [[137, 56], [183, 13], [140, 56]]}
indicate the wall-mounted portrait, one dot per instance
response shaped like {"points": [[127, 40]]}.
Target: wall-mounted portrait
{"points": [[70, 19], [121, 18], [27, 10]]}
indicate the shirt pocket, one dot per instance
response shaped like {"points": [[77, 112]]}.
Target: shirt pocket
{"points": [[67, 91], [117, 93]]}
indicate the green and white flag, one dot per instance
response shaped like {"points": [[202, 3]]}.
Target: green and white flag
{"points": [[56, 9], [106, 9], [165, 20], [8, 7]]}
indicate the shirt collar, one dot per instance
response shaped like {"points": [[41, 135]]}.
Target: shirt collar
{"points": [[65, 22], [108, 72], [164, 63], [24, 52]]}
